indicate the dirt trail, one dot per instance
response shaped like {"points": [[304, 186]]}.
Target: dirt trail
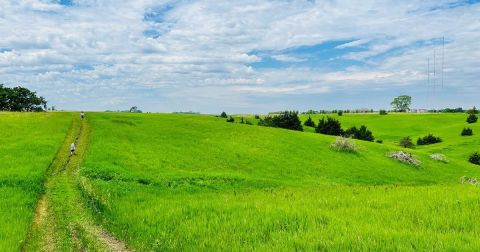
{"points": [[63, 221]]}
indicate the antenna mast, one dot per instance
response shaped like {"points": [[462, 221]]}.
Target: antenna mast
{"points": [[434, 70], [428, 80], [443, 56]]}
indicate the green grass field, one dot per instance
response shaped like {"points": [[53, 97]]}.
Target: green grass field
{"points": [[28, 144], [182, 182], [167, 182]]}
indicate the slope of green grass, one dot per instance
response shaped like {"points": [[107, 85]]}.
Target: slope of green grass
{"points": [[189, 182], [28, 143]]}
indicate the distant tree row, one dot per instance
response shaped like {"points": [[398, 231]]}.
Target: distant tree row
{"points": [[20, 99], [338, 111]]}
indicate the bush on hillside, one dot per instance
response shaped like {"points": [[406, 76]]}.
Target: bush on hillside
{"points": [[362, 133], [475, 158], [405, 158], [309, 122], [379, 141], [429, 139], [406, 142], [439, 157], [285, 120], [257, 117], [340, 113], [344, 144], [383, 112], [469, 180], [231, 119], [248, 122], [467, 132], [223, 115], [472, 118], [329, 126]]}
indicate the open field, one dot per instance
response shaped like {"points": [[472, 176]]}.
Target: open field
{"points": [[28, 144], [168, 182], [187, 182]]}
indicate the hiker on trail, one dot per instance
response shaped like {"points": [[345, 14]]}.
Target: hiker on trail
{"points": [[72, 148], [82, 115]]}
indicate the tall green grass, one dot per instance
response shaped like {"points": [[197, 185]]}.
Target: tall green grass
{"points": [[28, 143], [190, 182]]}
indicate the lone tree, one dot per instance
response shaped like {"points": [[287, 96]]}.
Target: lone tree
{"points": [[223, 115], [20, 99], [134, 109], [402, 103]]}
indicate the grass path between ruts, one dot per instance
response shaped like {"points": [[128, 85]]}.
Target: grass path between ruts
{"points": [[62, 220]]}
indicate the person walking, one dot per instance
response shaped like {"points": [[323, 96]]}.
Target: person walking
{"points": [[82, 115], [72, 148]]}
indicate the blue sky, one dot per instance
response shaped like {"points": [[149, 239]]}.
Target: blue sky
{"points": [[241, 56]]}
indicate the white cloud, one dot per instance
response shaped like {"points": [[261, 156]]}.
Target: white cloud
{"points": [[99, 45]]}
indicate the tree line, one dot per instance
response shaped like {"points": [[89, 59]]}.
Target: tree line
{"points": [[20, 99]]}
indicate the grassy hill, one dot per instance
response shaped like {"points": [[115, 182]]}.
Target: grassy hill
{"points": [[28, 143], [188, 182], [167, 182]]}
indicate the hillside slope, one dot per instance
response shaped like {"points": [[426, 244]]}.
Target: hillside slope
{"points": [[170, 182]]}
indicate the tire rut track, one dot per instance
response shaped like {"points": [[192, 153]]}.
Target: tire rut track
{"points": [[62, 221]]}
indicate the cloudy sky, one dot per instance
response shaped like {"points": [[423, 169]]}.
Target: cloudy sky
{"points": [[242, 56]]}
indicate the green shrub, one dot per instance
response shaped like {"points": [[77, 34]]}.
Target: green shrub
{"points": [[467, 132], [257, 117], [362, 133], [379, 141], [344, 144], [429, 139], [383, 112], [472, 118], [231, 119], [309, 122], [329, 126], [223, 115], [340, 113], [285, 120], [475, 158], [248, 122], [406, 142]]}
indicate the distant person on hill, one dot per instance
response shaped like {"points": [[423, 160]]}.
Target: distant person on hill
{"points": [[82, 115], [72, 148]]}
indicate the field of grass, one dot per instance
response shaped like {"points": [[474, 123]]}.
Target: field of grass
{"points": [[189, 182], [28, 143]]}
